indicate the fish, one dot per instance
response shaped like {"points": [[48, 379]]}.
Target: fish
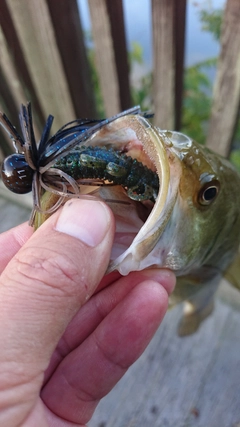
{"points": [[191, 226]]}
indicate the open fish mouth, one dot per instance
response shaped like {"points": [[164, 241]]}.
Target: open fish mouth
{"points": [[129, 162], [142, 208], [139, 224]]}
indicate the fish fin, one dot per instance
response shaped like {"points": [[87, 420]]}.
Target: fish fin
{"points": [[193, 317], [198, 307], [232, 274]]}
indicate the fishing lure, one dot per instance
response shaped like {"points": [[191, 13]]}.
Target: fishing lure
{"points": [[56, 163], [113, 166]]}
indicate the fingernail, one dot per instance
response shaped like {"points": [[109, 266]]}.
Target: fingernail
{"points": [[86, 220]]}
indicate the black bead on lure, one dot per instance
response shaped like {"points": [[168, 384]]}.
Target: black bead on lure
{"points": [[60, 163]]}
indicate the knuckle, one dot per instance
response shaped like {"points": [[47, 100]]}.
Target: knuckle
{"points": [[49, 268]]}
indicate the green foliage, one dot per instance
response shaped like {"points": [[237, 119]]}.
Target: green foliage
{"points": [[198, 86], [235, 153], [141, 90], [135, 55], [212, 22], [197, 100], [235, 158], [141, 94]]}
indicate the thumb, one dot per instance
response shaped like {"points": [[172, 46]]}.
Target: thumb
{"points": [[46, 283]]}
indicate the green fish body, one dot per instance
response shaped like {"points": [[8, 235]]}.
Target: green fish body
{"points": [[193, 228]]}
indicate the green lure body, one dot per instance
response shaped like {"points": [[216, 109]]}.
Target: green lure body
{"points": [[100, 163]]}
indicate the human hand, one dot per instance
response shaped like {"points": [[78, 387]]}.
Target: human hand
{"points": [[62, 351]]}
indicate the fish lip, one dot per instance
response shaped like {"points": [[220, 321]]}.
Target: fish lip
{"points": [[157, 148]]}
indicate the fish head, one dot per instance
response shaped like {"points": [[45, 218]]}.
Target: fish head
{"points": [[203, 229], [195, 219], [193, 228]]}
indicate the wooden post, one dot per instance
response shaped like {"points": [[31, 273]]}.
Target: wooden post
{"points": [[34, 28], [115, 12], [179, 43], [164, 64], [70, 39], [20, 69], [105, 58], [10, 73], [227, 87]]}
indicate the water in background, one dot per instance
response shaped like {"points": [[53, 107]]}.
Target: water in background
{"points": [[200, 45]]}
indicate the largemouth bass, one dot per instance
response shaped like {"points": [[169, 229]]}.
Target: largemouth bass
{"points": [[192, 224]]}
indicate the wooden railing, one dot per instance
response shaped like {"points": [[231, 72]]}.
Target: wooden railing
{"points": [[44, 59]]}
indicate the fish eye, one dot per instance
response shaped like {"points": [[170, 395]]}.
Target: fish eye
{"points": [[208, 193]]}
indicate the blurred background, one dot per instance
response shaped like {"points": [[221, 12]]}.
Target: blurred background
{"points": [[181, 60], [98, 57]]}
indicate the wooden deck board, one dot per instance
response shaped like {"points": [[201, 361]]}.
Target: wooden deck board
{"points": [[11, 214], [181, 382], [178, 382]]}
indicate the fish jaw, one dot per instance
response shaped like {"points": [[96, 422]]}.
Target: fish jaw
{"points": [[170, 233], [126, 131], [184, 235], [144, 249]]}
